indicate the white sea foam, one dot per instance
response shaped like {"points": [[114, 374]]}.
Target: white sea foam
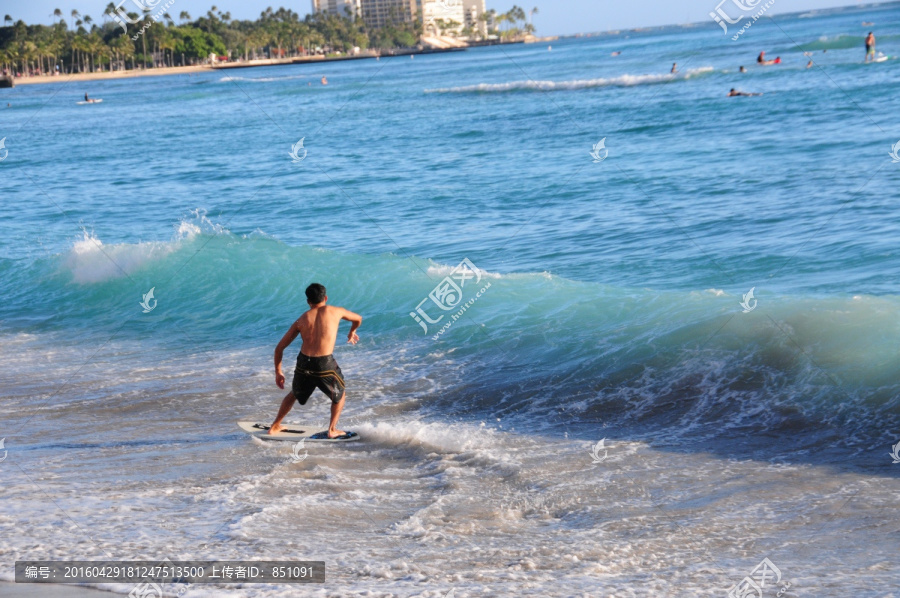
{"points": [[90, 260], [620, 81], [436, 270], [267, 79]]}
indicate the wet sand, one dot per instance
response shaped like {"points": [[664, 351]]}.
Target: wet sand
{"points": [[176, 70]]}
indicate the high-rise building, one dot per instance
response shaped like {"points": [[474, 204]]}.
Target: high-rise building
{"points": [[472, 11], [378, 13], [338, 7]]}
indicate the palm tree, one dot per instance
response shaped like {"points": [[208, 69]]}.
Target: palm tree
{"points": [[167, 41], [55, 47], [124, 46], [57, 13], [95, 46], [75, 15], [144, 37], [7, 20], [531, 14], [185, 15]]}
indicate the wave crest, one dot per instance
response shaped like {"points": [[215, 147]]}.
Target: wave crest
{"points": [[621, 81], [91, 261]]}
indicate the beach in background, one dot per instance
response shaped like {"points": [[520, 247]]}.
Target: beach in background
{"points": [[612, 416]]}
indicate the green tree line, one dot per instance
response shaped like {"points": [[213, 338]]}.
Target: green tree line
{"points": [[77, 43]]}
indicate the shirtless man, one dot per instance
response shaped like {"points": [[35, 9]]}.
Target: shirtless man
{"points": [[870, 46], [316, 367]]}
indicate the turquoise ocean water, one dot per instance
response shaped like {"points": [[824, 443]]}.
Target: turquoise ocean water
{"points": [[613, 312]]}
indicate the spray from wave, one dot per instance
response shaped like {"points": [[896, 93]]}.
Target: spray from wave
{"points": [[91, 261], [621, 81], [267, 79]]}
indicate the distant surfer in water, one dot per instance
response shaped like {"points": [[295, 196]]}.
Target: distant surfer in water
{"points": [[324, 80], [761, 60], [674, 68], [86, 98], [734, 93], [316, 367], [870, 46]]}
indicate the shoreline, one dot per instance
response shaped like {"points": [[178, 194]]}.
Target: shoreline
{"points": [[191, 70], [110, 75]]}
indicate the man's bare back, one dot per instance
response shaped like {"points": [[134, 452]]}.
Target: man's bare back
{"points": [[318, 327]]}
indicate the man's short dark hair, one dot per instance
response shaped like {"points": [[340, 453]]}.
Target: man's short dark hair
{"points": [[315, 293]]}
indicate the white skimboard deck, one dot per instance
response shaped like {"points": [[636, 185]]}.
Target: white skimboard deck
{"points": [[294, 433]]}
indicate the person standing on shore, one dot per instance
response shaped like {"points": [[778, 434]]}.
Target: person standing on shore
{"points": [[870, 46]]}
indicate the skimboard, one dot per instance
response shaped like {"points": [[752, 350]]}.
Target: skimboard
{"points": [[293, 433], [82, 103]]}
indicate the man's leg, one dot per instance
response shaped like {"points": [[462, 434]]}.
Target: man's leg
{"points": [[336, 409], [286, 404]]}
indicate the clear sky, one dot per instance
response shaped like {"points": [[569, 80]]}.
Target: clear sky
{"points": [[556, 17]]}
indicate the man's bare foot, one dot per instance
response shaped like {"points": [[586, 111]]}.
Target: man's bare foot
{"points": [[335, 433], [275, 429]]}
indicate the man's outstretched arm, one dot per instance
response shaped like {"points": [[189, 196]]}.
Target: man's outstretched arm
{"points": [[355, 321], [286, 340]]}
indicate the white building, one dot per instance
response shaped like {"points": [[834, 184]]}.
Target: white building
{"points": [[338, 7], [442, 10], [472, 11], [377, 13]]}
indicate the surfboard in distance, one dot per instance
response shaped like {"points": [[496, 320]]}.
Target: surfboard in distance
{"points": [[293, 433], [82, 102]]}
